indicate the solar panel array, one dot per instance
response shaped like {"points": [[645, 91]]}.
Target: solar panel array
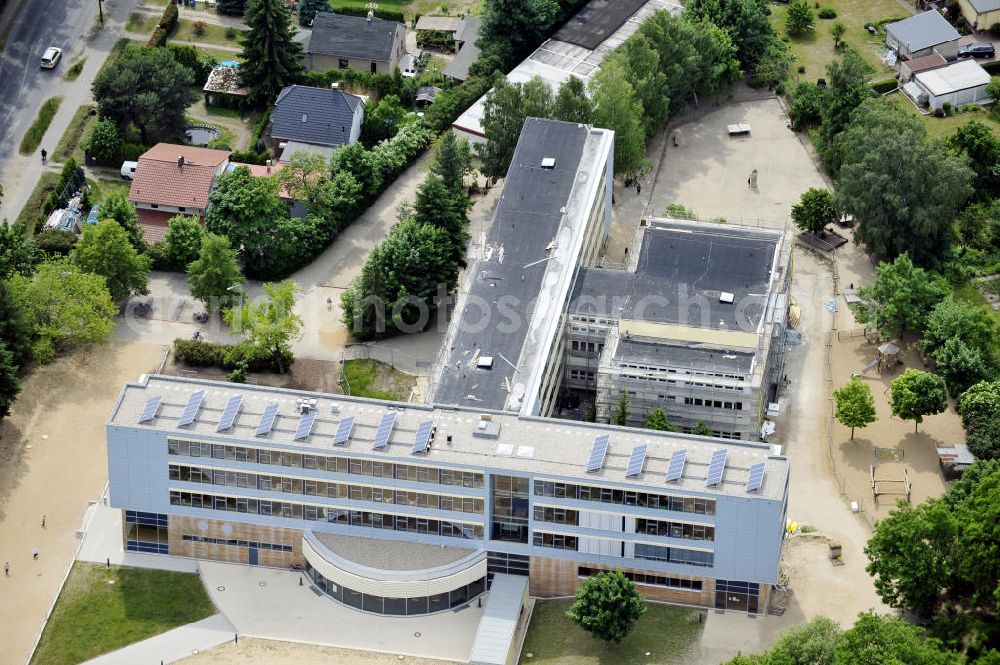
{"points": [[423, 438], [756, 477], [676, 467], [305, 427], [636, 461], [598, 452], [190, 411], [343, 431], [229, 415], [266, 423], [149, 411], [716, 467], [384, 430]]}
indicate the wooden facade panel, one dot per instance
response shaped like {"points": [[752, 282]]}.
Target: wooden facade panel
{"points": [[179, 526]]}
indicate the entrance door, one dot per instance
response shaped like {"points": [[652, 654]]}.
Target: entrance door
{"points": [[253, 556]]}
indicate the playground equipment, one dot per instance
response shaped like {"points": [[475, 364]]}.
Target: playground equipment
{"points": [[886, 356], [893, 486]]}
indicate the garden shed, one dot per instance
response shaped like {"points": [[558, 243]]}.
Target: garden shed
{"points": [[961, 83]]}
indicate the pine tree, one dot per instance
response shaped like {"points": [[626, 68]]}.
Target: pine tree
{"points": [[271, 58]]}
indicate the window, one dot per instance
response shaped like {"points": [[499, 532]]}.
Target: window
{"points": [[647, 578], [555, 540], [374, 67], [510, 509], [146, 532], [342, 63]]}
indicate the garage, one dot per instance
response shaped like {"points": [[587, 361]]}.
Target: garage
{"points": [[961, 83]]}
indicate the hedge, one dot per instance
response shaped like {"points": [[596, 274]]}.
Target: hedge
{"points": [[198, 353], [884, 86], [168, 21], [993, 66], [385, 14]]}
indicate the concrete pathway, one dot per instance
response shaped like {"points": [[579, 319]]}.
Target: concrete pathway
{"points": [[102, 543], [269, 604], [172, 645]]}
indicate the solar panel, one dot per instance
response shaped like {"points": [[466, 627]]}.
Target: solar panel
{"points": [[305, 427], [190, 411], [267, 419], [756, 477], [636, 461], [597, 453], [676, 468], [229, 415], [384, 430], [344, 431], [149, 411], [716, 467], [423, 438]]}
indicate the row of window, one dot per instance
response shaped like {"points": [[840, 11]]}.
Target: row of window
{"points": [[674, 529], [714, 403], [557, 541], [660, 379], [682, 504], [330, 463], [647, 578], [360, 518], [687, 372], [674, 555], [581, 375], [275, 547], [327, 489], [589, 347]]}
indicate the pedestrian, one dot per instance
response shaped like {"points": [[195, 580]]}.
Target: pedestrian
{"points": [[43, 521], [749, 178], [329, 303], [236, 639], [34, 553], [638, 188], [109, 563], [45, 155], [6, 568]]}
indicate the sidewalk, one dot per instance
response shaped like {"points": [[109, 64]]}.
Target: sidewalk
{"points": [[103, 543], [172, 645]]}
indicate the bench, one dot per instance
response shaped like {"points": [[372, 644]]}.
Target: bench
{"points": [[739, 129]]}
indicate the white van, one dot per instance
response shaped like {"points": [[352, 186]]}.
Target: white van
{"points": [[128, 170]]}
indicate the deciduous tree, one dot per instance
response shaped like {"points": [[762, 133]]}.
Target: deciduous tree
{"points": [[104, 250], [15, 330], [855, 405], [105, 141], [452, 161], [916, 394], [702, 429], [837, 31], [847, 87], [657, 420], [957, 319], [503, 117], [572, 103], [522, 23], [620, 416], [800, 18], [607, 606], [745, 21], [976, 141], [813, 211], [960, 366], [117, 207], [182, 241], [901, 297], [383, 121], [10, 385], [979, 407], [618, 108], [641, 64], [885, 639], [18, 252], [214, 273], [271, 325], [445, 209], [271, 57]]}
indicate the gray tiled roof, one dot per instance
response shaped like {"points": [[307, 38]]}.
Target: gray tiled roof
{"points": [[353, 36], [983, 6], [458, 68], [320, 116], [923, 31]]}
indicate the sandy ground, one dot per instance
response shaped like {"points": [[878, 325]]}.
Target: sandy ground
{"points": [[268, 652], [52, 462]]}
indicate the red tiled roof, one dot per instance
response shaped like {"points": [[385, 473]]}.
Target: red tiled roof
{"points": [[261, 171], [160, 180], [932, 61], [154, 223]]}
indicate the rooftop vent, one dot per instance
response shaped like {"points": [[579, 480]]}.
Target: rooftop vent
{"points": [[180, 161], [726, 297], [548, 162], [485, 362], [305, 117], [371, 15], [486, 428]]}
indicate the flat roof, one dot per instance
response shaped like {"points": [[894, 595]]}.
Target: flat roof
{"points": [[527, 247], [391, 554], [556, 60], [497, 628], [597, 21], [962, 75], [549, 447], [655, 352]]}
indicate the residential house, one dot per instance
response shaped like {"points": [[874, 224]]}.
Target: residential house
{"points": [[963, 82], [174, 180], [466, 51], [367, 44], [921, 35], [981, 14], [314, 120]]}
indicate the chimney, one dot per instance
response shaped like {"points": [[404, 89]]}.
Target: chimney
{"points": [[180, 161], [268, 164], [371, 15]]}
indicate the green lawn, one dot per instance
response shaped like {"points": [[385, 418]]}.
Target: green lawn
{"points": [[374, 379], [670, 635], [815, 51], [33, 137], [142, 23], [100, 610], [69, 144], [73, 72], [212, 34], [101, 189], [944, 127]]}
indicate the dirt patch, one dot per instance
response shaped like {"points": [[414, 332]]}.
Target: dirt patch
{"points": [[269, 652], [304, 374], [372, 378]]}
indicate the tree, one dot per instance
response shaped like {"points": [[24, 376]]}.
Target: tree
{"points": [[901, 297], [452, 161], [607, 606], [957, 319], [15, 330], [806, 106], [772, 66], [621, 414], [837, 31], [993, 87], [309, 8], [978, 227], [658, 420], [269, 326], [522, 23], [641, 64], [976, 141], [117, 207], [799, 19], [616, 107], [813, 211], [400, 282], [105, 141], [10, 385], [572, 103], [536, 98], [231, 7], [382, 121], [884, 639], [445, 209], [214, 273], [147, 88], [979, 407], [814, 643], [182, 241], [702, 429], [65, 307], [303, 175], [899, 210], [847, 87], [503, 117], [745, 21], [271, 57], [104, 250], [855, 405], [916, 394], [18, 252], [960, 366]]}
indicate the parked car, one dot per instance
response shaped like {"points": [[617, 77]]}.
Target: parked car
{"points": [[51, 57], [128, 170], [977, 50]]}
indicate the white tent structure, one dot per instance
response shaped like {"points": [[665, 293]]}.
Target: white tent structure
{"points": [[961, 83]]}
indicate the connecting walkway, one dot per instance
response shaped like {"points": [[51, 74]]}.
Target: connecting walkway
{"points": [[172, 645]]}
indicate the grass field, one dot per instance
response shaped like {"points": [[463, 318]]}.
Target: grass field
{"points": [[32, 210], [101, 610], [816, 50], [411, 8], [142, 23], [374, 379], [670, 635], [33, 137], [74, 71], [101, 189], [944, 127], [69, 144], [212, 34]]}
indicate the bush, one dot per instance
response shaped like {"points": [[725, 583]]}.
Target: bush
{"points": [[827, 13], [386, 14], [939, 113], [884, 86], [230, 33], [946, 107], [199, 353], [802, 69], [200, 63], [157, 252], [170, 17], [158, 38], [198, 28], [250, 156], [56, 241], [104, 143]]}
